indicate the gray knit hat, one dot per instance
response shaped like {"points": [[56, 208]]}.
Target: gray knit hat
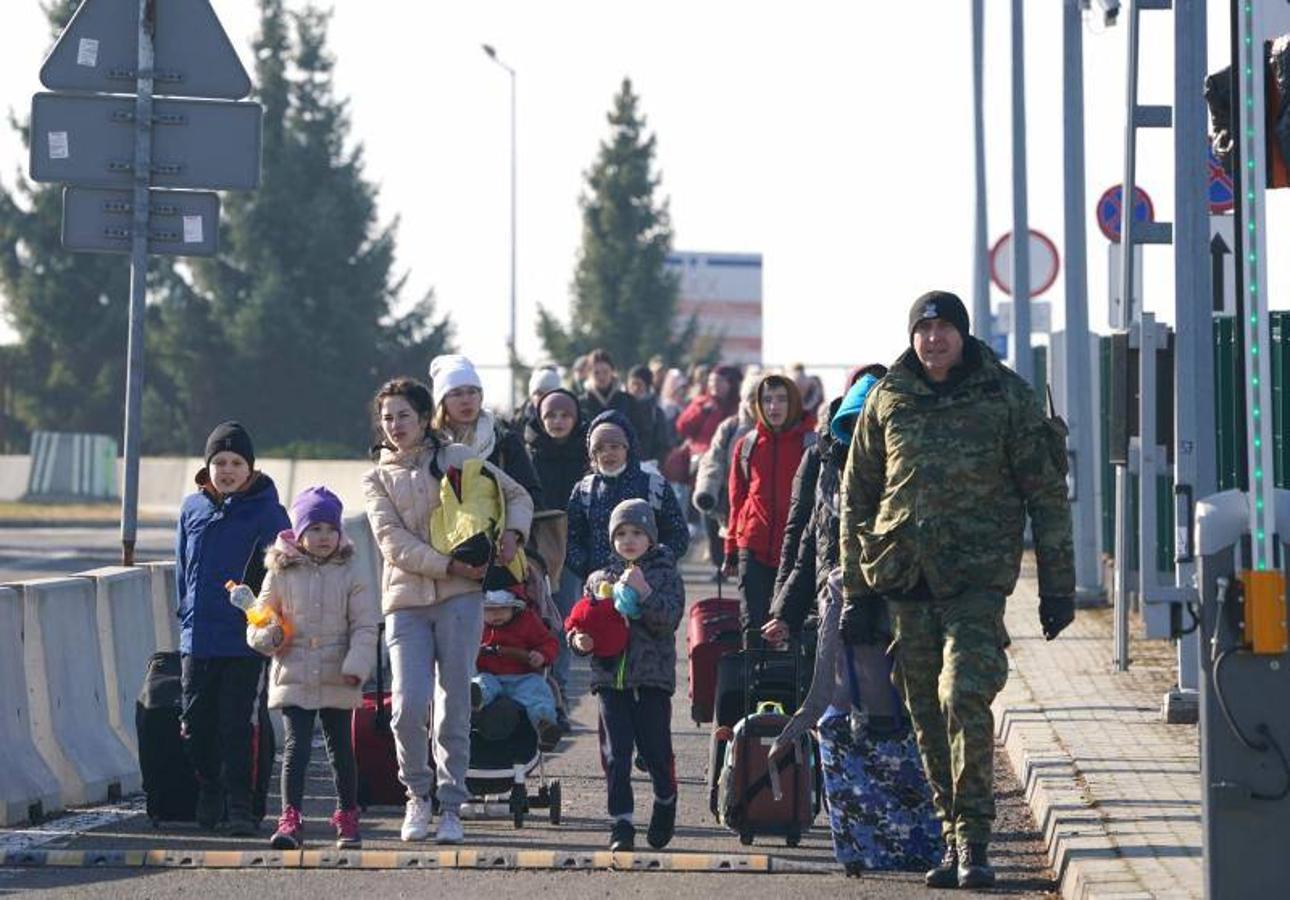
{"points": [[634, 512]]}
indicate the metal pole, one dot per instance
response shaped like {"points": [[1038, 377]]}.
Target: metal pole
{"points": [[1123, 538], [982, 325], [1021, 360], [1128, 200], [1194, 425], [510, 344], [138, 278], [1079, 382]]}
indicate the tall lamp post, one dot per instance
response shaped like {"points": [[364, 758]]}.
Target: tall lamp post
{"points": [[510, 341]]}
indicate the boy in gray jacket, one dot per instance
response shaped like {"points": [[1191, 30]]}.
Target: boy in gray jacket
{"points": [[635, 688]]}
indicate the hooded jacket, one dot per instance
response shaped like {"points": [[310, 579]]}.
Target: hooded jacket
{"points": [[760, 496], [333, 620], [218, 539], [698, 422], [524, 631], [650, 657], [559, 464], [400, 493], [593, 500], [941, 478]]}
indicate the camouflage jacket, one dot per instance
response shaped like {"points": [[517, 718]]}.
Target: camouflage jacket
{"points": [[939, 484]]}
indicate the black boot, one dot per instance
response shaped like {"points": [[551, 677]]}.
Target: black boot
{"points": [[662, 824], [240, 821], [210, 805], [946, 873], [622, 836], [975, 870]]}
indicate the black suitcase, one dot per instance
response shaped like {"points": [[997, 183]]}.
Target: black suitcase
{"points": [[777, 678], [169, 783]]}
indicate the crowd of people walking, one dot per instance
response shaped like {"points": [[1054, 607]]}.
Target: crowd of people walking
{"points": [[894, 511]]}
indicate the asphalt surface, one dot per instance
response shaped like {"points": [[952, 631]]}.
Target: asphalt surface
{"points": [[48, 552], [1017, 850]]}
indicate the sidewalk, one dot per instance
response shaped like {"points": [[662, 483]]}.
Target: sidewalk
{"points": [[1114, 789]]}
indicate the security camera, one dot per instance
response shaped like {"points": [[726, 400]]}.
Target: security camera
{"points": [[1110, 10]]}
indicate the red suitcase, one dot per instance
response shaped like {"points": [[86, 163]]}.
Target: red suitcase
{"points": [[711, 632], [373, 738]]}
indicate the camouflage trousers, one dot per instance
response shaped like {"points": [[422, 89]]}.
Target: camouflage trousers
{"points": [[949, 665]]}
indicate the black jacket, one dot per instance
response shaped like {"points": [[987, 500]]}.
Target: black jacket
{"points": [[559, 465], [811, 539], [510, 456]]}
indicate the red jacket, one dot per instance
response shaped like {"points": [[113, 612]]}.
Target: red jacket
{"points": [[698, 422], [525, 631], [759, 501]]}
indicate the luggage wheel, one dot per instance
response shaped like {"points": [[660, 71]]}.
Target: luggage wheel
{"points": [[553, 811], [746, 839], [519, 804], [792, 839]]}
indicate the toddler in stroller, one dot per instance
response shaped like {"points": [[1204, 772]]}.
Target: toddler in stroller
{"points": [[515, 708]]}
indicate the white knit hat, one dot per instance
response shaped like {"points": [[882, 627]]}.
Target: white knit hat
{"points": [[543, 381], [450, 371]]}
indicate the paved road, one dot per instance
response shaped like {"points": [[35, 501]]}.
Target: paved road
{"points": [[50, 552], [1018, 852]]}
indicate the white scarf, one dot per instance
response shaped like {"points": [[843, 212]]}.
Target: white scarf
{"points": [[481, 437]]}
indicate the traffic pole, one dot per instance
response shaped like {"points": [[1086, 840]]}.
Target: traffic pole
{"points": [[138, 277], [982, 324], [1021, 358], [1079, 384]]}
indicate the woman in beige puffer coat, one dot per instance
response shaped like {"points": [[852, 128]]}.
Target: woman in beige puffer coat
{"points": [[433, 604]]}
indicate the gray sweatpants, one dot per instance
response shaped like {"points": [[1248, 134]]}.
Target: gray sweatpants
{"points": [[434, 647]]}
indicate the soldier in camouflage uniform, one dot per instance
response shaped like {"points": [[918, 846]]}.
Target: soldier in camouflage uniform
{"points": [[950, 455]]}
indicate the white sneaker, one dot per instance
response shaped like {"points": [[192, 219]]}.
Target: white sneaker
{"points": [[449, 828], [416, 820]]}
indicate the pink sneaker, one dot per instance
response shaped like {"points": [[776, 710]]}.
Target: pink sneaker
{"points": [[346, 822], [290, 833]]}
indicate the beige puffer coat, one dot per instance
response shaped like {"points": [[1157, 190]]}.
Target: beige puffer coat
{"points": [[333, 619], [400, 494]]}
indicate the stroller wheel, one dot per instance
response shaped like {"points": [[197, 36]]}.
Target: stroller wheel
{"points": [[553, 811], [519, 804], [746, 839]]}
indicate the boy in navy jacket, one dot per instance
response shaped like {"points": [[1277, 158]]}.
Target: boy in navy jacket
{"points": [[224, 530]]}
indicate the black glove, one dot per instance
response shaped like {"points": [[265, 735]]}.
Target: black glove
{"points": [[862, 621], [1055, 613]]}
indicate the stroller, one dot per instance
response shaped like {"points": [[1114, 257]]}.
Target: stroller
{"points": [[504, 748], [504, 752]]}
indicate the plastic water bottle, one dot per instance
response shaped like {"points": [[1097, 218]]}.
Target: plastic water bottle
{"points": [[240, 595]]}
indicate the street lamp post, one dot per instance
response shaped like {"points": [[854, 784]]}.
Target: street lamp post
{"points": [[510, 341]]}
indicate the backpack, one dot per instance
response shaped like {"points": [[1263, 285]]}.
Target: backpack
{"points": [[657, 487], [809, 440]]}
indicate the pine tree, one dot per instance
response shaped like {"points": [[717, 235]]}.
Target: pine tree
{"points": [[70, 310], [624, 299], [304, 288]]}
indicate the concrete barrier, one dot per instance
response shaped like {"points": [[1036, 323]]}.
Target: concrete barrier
{"points": [[367, 558], [127, 637], [29, 789], [165, 600], [68, 694], [164, 481], [14, 472]]}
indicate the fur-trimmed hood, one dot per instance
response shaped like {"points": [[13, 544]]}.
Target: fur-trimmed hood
{"points": [[286, 552]]}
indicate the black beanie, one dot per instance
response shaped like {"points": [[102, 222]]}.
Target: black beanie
{"points": [[230, 436], [939, 305]]}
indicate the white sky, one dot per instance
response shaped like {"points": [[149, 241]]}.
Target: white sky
{"points": [[833, 138]]}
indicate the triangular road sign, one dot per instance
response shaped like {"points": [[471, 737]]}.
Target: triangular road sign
{"points": [[98, 51]]}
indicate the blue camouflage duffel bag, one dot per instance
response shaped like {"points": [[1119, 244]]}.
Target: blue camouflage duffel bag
{"points": [[880, 805]]}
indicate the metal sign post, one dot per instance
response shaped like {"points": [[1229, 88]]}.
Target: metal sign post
{"points": [[111, 150], [138, 278]]}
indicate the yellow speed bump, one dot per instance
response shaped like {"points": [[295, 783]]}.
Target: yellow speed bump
{"points": [[168, 858]]}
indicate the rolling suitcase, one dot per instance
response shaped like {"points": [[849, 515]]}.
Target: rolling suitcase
{"points": [[711, 632], [755, 794], [880, 806], [169, 782], [374, 753]]}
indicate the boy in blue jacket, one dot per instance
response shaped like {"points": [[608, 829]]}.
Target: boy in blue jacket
{"points": [[224, 530], [617, 476]]}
